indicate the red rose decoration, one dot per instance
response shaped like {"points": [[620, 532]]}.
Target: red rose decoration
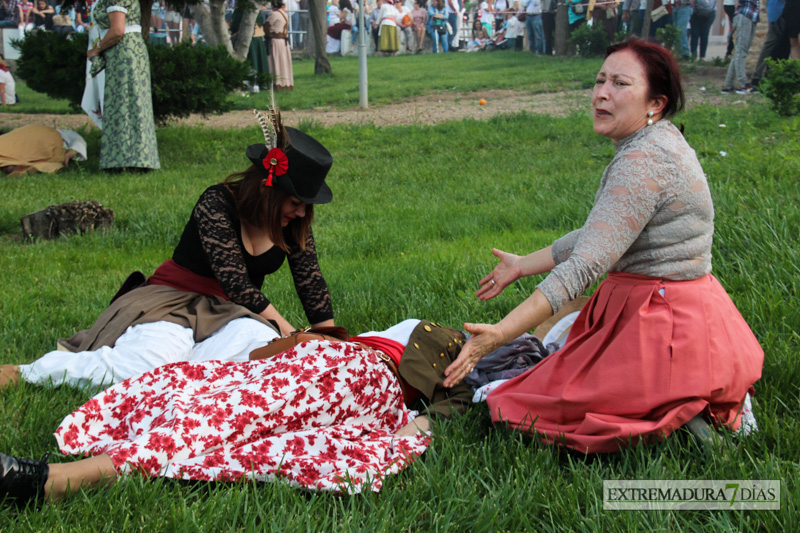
{"points": [[276, 163]]}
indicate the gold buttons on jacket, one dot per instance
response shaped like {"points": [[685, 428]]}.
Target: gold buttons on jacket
{"points": [[427, 328], [416, 346]]}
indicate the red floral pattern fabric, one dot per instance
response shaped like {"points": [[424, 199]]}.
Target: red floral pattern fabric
{"points": [[320, 416]]}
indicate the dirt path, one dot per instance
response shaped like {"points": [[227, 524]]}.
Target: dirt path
{"points": [[701, 86]]}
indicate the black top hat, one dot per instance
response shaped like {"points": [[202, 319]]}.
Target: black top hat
{"points": [[308, 165]]}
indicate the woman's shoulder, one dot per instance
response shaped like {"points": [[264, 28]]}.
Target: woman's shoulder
{"points": [[217, 196]]}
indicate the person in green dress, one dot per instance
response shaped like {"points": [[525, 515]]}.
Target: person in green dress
{"points": [[129, 133]]}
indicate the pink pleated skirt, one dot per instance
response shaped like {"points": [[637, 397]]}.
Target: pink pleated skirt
{"points": [[644, 357]]}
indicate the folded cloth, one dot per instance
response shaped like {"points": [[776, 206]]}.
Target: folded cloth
{"points": [[508, 361]]}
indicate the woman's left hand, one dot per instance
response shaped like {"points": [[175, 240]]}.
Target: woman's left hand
{"points": [[485, 339]]}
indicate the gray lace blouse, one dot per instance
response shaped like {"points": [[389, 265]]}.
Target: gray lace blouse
{"points": [[652, 216]]}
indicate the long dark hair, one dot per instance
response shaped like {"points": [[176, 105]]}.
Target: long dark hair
{"points": [[251, 195]]}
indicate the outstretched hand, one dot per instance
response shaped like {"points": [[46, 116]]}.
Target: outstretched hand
{"points": [[485, 339], [504, 274]]}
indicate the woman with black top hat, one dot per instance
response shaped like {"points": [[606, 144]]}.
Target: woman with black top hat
{"points": [[240, 231]]}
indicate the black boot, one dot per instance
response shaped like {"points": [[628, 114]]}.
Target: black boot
{"points": [[22, 479]]}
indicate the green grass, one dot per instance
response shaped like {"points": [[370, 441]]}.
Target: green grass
{"points": [[394, 79], [32, 102], [415, 214]]}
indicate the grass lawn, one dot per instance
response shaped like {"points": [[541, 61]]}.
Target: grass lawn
{"points": [[415, 214], [392, 79]]}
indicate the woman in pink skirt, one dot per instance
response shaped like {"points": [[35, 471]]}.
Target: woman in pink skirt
{"points": [[660, 341]]}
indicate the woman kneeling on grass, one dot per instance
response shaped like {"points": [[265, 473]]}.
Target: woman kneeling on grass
{"points": [[324, 415], [240, 231], [660, 341]]}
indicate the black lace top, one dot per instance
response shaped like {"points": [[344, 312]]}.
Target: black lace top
{"points": [[211, 246]]}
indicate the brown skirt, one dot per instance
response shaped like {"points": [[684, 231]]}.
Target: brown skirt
{"points": [[153, 303]]}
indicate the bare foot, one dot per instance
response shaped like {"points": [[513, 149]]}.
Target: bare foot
{"points": [[9, 375]]}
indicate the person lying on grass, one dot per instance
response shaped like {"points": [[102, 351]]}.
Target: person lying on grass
{"points": [[36, 148], [660, 342], [323, 415]]}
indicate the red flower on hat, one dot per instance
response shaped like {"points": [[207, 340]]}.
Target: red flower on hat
{"points": [[276, 163]]}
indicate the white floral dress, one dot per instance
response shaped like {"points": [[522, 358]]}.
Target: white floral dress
{"points": [[319, 416]]}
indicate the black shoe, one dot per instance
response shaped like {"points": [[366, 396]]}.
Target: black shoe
{"points": [[22, 479]]}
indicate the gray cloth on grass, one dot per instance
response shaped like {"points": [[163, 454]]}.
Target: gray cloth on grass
{"points": [[508, 361]]}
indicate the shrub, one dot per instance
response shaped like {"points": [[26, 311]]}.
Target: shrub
{"points": [[186, 79], [53, 64], [670, 38], [782, 85], [591, 41], [193, 79]]}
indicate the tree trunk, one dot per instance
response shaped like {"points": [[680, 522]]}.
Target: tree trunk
{"points": [[648, 15], [246, 27], [147, 10], [215, 29], [562, 29], [319, 27]]}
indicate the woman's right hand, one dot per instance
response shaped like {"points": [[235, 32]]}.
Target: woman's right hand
{"points": [[504, 274]]}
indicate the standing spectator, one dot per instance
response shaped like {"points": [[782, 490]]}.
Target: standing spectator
{"points": [[744, 24], [452, 7], [501, 9], [419, 20], [791, 12], [333, 13], [437, 26], [514, 32], [129, 133], [280, 57], [549, 24], [486, 17], [375, 21], [9, 14], [576, 14], [188, 24], [388, 41], [705, 11], [293, 10], [776, 44], [660, 16], [604, 14], [682, 14], [632, 15], [8, 94], [533, 24], [729, 6]]}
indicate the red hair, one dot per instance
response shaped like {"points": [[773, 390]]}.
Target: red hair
{"points": [[661, 69]]}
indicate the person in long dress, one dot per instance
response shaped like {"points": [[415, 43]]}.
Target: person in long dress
{"points": [[280, 56], [660, 342], [129, 134]]}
